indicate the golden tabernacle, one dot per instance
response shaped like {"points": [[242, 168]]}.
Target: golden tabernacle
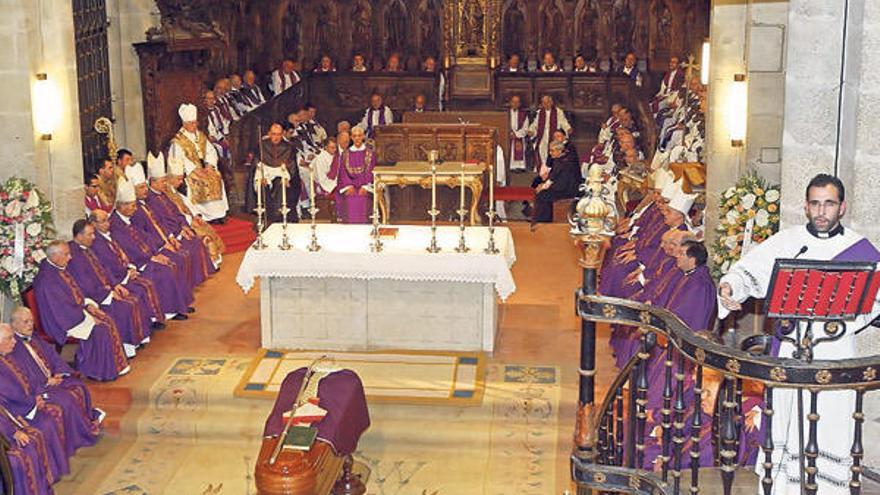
{"points": [[414, 173]]}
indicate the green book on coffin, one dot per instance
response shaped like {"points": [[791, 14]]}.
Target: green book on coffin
{"points": [[300, 438]]}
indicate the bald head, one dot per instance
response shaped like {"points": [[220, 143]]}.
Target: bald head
{"points": [[22, 321]]}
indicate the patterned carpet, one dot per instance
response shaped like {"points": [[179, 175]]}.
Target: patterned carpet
{"points": [[399, 377], [193, 433]]}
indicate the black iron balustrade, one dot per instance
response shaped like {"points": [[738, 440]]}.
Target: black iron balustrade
{"points": [[610, 435]]}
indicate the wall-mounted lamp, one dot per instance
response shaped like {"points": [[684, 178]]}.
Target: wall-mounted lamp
{"points": [[704, 63], [736, 110], [46, 106]]}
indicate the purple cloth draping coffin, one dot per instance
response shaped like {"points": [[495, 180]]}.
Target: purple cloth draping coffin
{"points": [[341, 394]]}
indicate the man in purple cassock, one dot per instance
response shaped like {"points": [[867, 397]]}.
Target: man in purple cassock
{"points": [[172, 221], [49, 377], [147, 223], [116, 301], [146, 285], [341, 394], [355, 179], [65, 312], [693, 300], [170, 279], [19, 404], [29, 460]]}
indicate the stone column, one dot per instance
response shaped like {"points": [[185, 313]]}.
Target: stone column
{"points": [[809, 141], [129, 21]]}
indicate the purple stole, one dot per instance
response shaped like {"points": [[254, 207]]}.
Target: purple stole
{"points": [[370, 119], [516, 144], [542, 122]]}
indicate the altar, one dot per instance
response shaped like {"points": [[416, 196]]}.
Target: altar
{"points": [[345, 297]]}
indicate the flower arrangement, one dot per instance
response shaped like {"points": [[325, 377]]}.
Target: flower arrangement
{"points": [[751, 205], [25, 217]]}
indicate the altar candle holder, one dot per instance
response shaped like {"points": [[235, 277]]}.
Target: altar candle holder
{"points": [[260, 209], [313, 210], [432, 157], [285, 240], [376, 244], [462, 246], [490, 246]]}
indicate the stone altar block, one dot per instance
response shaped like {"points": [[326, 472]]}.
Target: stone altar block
{"points": [[345, 297]]}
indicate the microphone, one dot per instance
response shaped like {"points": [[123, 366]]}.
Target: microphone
{"points": [[802, 251]]}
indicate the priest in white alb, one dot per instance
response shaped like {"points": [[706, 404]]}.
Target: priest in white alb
{"points": [[549, 119], [824, 238], [190, 147]]}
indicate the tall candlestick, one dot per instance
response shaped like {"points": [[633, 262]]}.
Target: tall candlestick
{"points": [[376, 245], [462, 247], [313, 211], [433, 247], [259, 244], [490, 246], [285, 240]]}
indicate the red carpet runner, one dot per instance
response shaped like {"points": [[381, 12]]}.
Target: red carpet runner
{"points": [[237, 234]]}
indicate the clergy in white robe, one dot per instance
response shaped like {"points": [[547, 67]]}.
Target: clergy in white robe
{"points": [[519, 129], [284, 78], [377, 114], [191, 148], [550, 118], [823, 238]]}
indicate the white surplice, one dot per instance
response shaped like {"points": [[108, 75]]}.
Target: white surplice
{"points": [[750, 278]]}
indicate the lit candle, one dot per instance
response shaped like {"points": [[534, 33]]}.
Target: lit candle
{"points": [[433, 186], [284, 182]]}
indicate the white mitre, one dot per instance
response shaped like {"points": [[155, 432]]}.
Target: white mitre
{"points": [[672, 189], [662, 177], [175, 167], [125, 191], [188, 112], [156, 165], [682, 202], [135, 174]]}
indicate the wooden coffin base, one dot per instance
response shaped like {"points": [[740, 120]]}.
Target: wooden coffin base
{"points": [[316, 472]]}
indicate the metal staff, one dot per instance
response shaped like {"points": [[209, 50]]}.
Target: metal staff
{"points": [[298, 402], [462, 246], [260, 210]]}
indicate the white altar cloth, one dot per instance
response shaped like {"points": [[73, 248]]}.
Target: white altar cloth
{"points": [[345, 253], [345, 297]]}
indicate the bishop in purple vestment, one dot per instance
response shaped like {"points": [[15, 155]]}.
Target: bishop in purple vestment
{"points": [[65, 312], [116, 301], [157, 266], [33, 467], [147, 224], [355, 178], [174, 223], [156, 286]]}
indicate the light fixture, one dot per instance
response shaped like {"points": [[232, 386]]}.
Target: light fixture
{"points": [[736, 110], [704, 63], [46, 106]]}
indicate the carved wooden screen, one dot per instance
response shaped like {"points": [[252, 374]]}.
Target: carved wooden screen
{"points": [[93, 76]]}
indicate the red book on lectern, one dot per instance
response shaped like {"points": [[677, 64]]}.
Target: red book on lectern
{"points": [[822, 290]]}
